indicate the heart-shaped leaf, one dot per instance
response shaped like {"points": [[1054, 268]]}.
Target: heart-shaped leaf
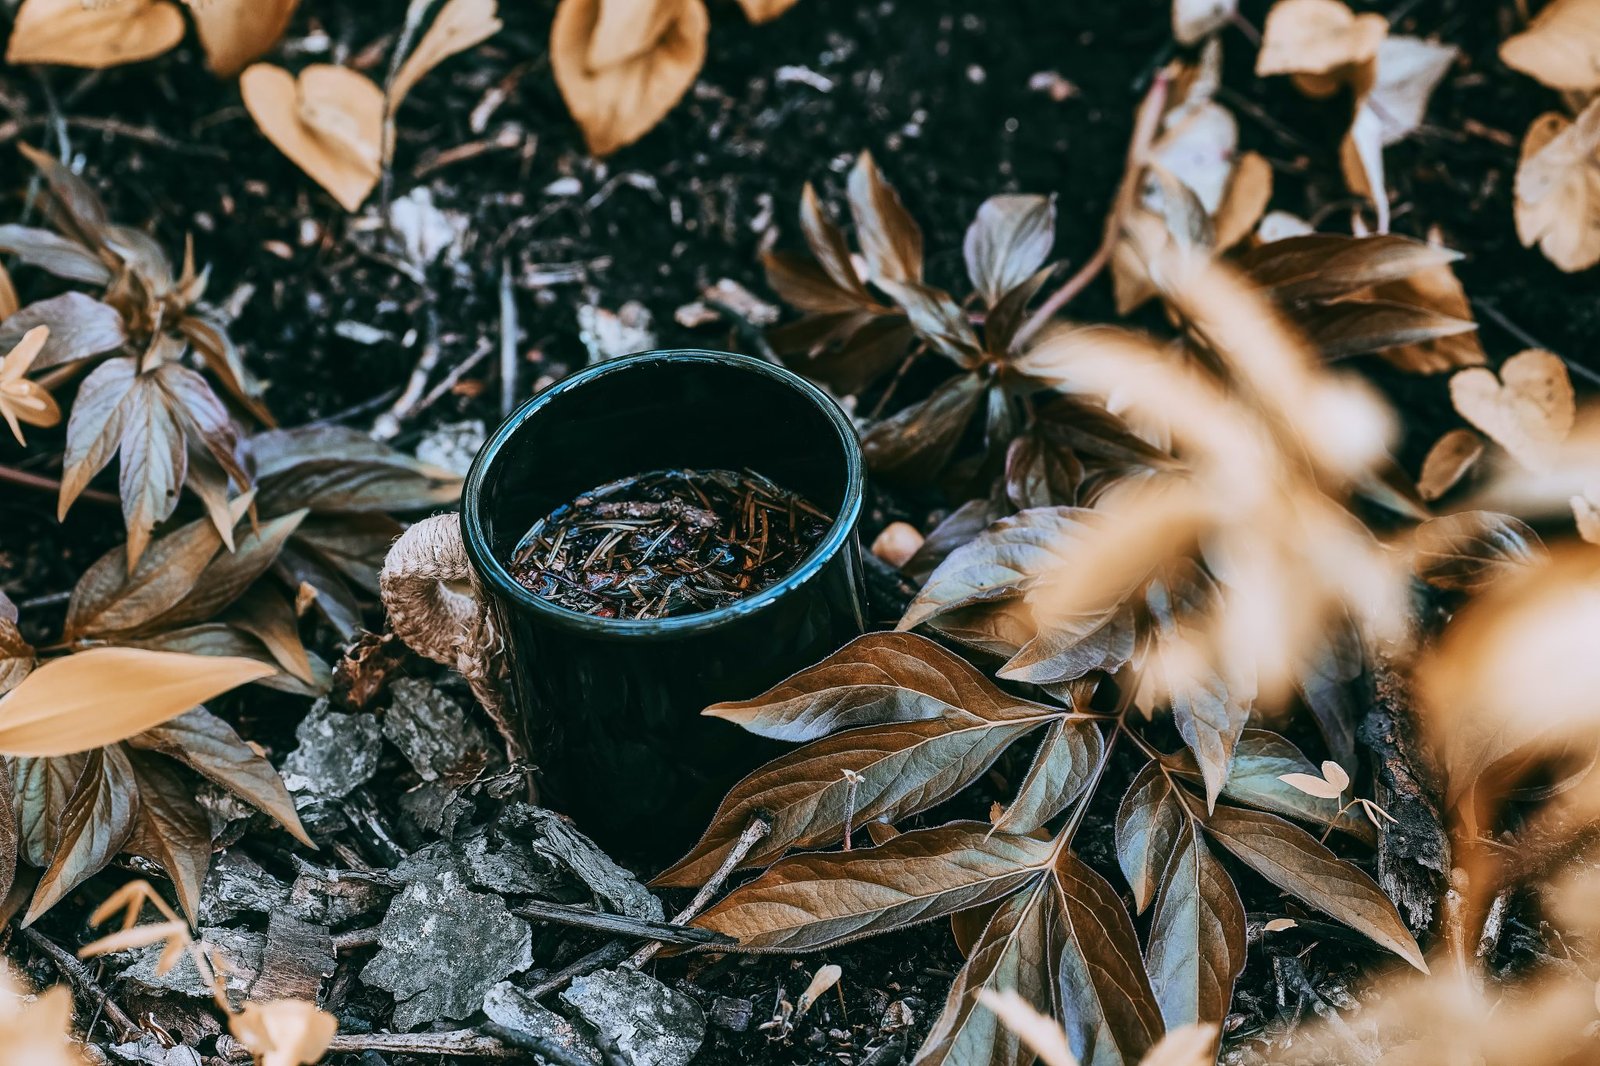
{"points": [[78, 34], [329, 121]]}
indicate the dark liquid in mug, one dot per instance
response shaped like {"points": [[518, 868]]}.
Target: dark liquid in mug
{"points": [[669, 542]]}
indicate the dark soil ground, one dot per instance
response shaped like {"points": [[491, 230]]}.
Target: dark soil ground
{"points": [[945, 94]]}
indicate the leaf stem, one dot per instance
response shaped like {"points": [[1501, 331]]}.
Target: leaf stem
{"points": [[1146, 125], [12, 475]]}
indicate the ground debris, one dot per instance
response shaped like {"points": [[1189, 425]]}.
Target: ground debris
{"points": [[646, 1022], [442, 947], [337, 753], [148, 1051], [432, 730], [240, 951], [510, 1006], [614, 888]]}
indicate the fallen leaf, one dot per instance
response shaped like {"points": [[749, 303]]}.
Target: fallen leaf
{"points": [[1318, 38], [1470, 550], [236, 32], [1447, 462], [617, 100], [283, 1032], [1194, 20], [765, 10], [95, 35], [1409, 69], [104, 695], [459, 25], [1557, 189], [328, 121], [1528, 410], [1560, 47]]}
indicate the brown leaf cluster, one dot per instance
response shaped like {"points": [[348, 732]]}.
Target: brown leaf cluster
{"points": [[109, 33]]}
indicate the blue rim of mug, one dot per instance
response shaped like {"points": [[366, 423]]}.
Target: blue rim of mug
{"points": [[493, 572]]}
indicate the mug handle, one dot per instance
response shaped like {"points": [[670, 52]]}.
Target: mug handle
{"points": [[434, 606]]}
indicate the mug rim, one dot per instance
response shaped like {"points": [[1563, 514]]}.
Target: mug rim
{"points": [[489, 568]]}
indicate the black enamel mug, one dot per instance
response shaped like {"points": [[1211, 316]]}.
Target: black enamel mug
{"points": [[609, 709]]}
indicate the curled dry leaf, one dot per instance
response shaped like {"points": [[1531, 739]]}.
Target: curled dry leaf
{"points": [[236, 32], [104, 695], [1528, 410], [36, 1030], [1194, 20], [1560, 47], [1557, 188], [1469, 550], [329, 121], [618, 98], [95, 35], [1317, 40], [284, 1032], [1447, 462], [460, 25]]}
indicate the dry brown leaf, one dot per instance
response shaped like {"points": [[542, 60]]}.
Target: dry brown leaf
{"points": [[36, 1031], [95, 35], [284, 1032], [1194, 20], [765, 10], [9, 304], [1557, 188], [1451, 456], [1586, 512], [1528, 410], [618, 101], [1409, 69], [1249, 190], [22, 400], [1560, 47], [329, 121], [104, 695], [1317, 40], [236, 32], [459, 25]]}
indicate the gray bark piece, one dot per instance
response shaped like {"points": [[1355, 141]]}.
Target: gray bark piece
{"points": [[333, 902], [430, 729], [240, 950], [298, 959], [235, 885], [147, 1051], [337, 752], [615, 888], [442, 947], [512, 1007], [435, 807], [646, 1022]]}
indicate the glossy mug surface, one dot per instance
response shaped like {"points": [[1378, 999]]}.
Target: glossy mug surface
{"points": [[611, 707]]}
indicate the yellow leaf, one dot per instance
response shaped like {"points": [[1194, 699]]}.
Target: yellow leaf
{"points": [[1528, 410], [459, 25], [329, 121], [104, 695], [617, 104], [78, 34], [234, 32], [1561, 47], [1451, 456], [1557, 189], [765, 10], [22, 400], [284, 1032]]}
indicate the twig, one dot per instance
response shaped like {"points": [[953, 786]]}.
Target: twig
{"points": [[416, 11], [619, 924], [387, 425], [26, 480], [759, 826], [1498, 317], [88, 987], [1145, 126], [598, 959], [448, 382], [465, 1042], [548, 1050], [508, 340]]}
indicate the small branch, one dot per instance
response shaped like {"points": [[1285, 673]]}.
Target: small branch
{"points": [[77, 973], [758, 827], [619, 924], [465, 1042], [387, 425], [1145, 127], [22, 478], [598, 959], [548, 1050], [508, 340]]}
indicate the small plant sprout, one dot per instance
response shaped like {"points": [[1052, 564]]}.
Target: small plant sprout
{"points": [[1331, 785]]}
